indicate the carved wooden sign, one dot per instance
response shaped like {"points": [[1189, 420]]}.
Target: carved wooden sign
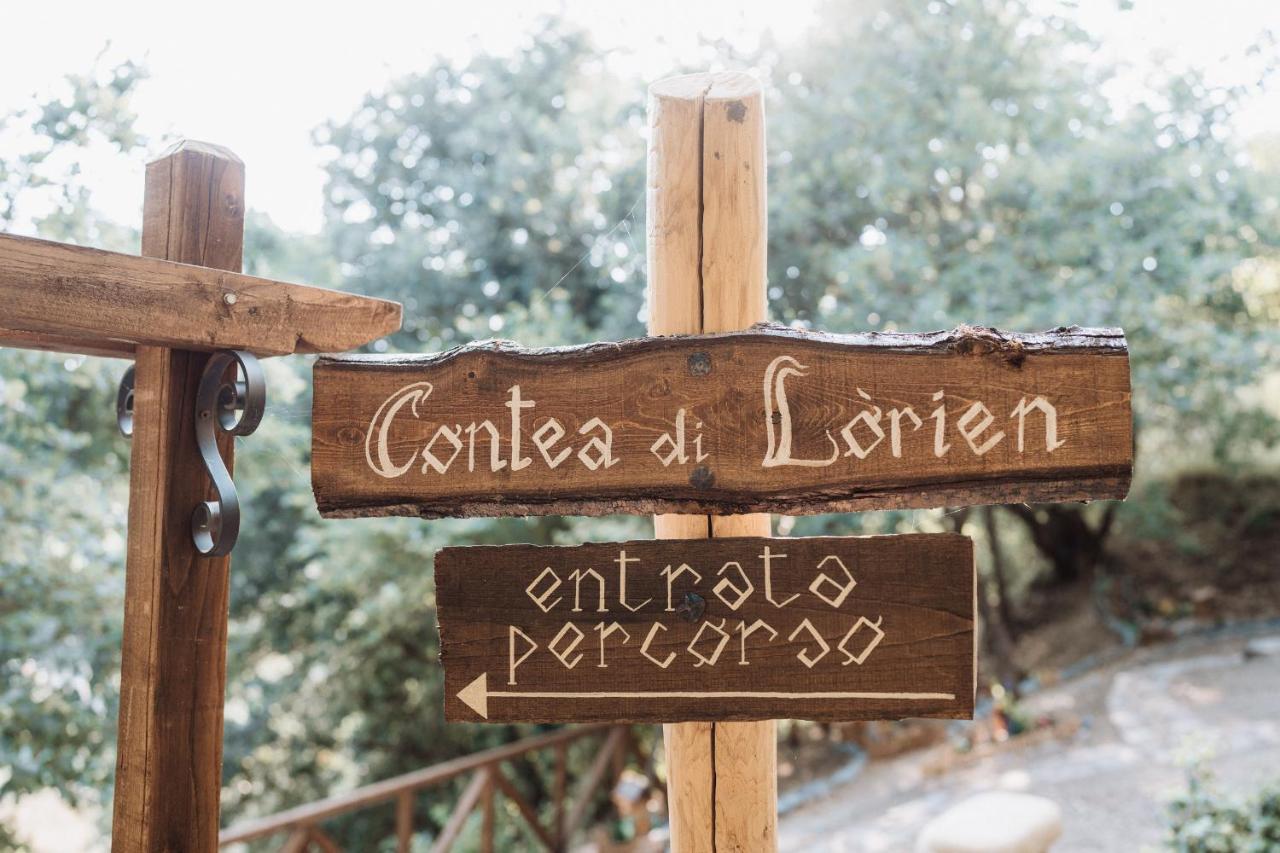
{"points": [[824, 628], [766, 420]]}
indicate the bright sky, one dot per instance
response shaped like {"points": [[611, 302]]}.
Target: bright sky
{"points": [[259, 76]]}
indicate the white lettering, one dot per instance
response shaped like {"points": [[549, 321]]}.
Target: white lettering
{"points": [[803, 655], [380, 428], [870, 417], [1051, 442], [842, 590], [577, 575], [622, 561], [741, 593], [515, 404], [767, 557], [778, 451], [540, 599], [875, 641], [513, 662], [671, 577], [603, 447], [545, 442], [747, 632], [648, 640], [563, 654], [604, 634], [970, 431], [715, 655]]}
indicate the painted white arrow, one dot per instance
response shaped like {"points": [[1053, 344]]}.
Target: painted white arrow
{"points": [[476, 695]]}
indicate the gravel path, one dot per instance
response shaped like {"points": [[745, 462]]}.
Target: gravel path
{"points": [[1143, 716]]}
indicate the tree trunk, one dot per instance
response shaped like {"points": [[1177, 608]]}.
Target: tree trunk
{"points": [[1064, 536]]}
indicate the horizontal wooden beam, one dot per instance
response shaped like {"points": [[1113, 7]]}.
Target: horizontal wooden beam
{"points": [[66, 298], [15, 339], [388, 789], [767, 420]]}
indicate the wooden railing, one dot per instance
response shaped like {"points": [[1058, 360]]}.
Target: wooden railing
{"points": [[301, 826]]}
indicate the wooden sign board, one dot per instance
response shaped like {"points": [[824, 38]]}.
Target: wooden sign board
{"points": [[767, 420], [824, 628]]}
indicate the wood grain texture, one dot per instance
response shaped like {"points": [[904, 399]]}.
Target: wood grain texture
{"points": [[823, 628], [691, 783], [734, 213], [88, 300], [173, 667], [694, 287], [840, 390], [14, 339]]}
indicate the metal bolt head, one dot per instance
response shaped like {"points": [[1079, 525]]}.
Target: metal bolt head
{"points": [[702, 477], [691, 607], [229, 298]]}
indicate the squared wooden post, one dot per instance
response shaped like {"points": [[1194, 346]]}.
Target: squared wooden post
{"points": [[173, 670], [707, 235]]}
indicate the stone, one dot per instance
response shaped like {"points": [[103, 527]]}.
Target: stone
{"points": [[994, 822]]}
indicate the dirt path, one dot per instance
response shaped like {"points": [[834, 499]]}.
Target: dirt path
{"points": [[1142, 718]]}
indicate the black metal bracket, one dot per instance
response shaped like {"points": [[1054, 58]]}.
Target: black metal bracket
{"points": [[232, 401], [124, 404]]}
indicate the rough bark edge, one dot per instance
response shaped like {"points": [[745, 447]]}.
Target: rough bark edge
{"points": [[728, 541], [812, 502], [1011, 347]]}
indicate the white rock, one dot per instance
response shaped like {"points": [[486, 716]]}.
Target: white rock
{"points": [[993, 822]]}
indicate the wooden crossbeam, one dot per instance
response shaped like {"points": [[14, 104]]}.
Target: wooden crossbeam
{"points": [[66, 298]]}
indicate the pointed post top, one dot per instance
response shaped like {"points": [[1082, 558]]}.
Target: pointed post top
{"points": [[195, 146]]}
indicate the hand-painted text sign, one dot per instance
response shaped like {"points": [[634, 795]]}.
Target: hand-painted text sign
{"points": [[766, 420], [826, 628]]}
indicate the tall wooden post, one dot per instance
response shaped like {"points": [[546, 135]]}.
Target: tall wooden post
{"points": [[707, 234], [173, 672]]}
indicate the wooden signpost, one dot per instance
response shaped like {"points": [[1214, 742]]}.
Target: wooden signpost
{"points": [[184, 314], [713, 634], [767, 420], [716, 634], [831, 628]]}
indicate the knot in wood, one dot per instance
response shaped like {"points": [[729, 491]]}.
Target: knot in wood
{"points": [[981, 340]]}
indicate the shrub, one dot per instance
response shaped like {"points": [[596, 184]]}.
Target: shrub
{"points": [[1204, 821]]}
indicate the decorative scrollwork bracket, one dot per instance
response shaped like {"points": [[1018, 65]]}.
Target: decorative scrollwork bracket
{"points": [[232, 402], [124, 404]]}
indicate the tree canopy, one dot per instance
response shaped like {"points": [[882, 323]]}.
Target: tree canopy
{"points": [[930, 165]]}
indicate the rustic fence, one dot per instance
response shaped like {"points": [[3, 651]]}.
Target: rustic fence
{"points": [[301, 826]]}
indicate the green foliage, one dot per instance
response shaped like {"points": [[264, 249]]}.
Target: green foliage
{"points": [[42, 181], [1203, 821], [65, 477], [466, 191], [961, 166], [929, 165]]}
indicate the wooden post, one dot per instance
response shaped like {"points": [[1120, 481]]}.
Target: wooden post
{"points": [[707, 234], [404, 822], [173, 670], [486, 813]]}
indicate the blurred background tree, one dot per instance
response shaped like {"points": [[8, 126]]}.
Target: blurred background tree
{"points": [[65, 473], [961, 165]]}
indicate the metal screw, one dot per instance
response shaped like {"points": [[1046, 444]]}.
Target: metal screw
{"points": [[229, 298], [702, 477], [691, 607], [699, 364]]}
